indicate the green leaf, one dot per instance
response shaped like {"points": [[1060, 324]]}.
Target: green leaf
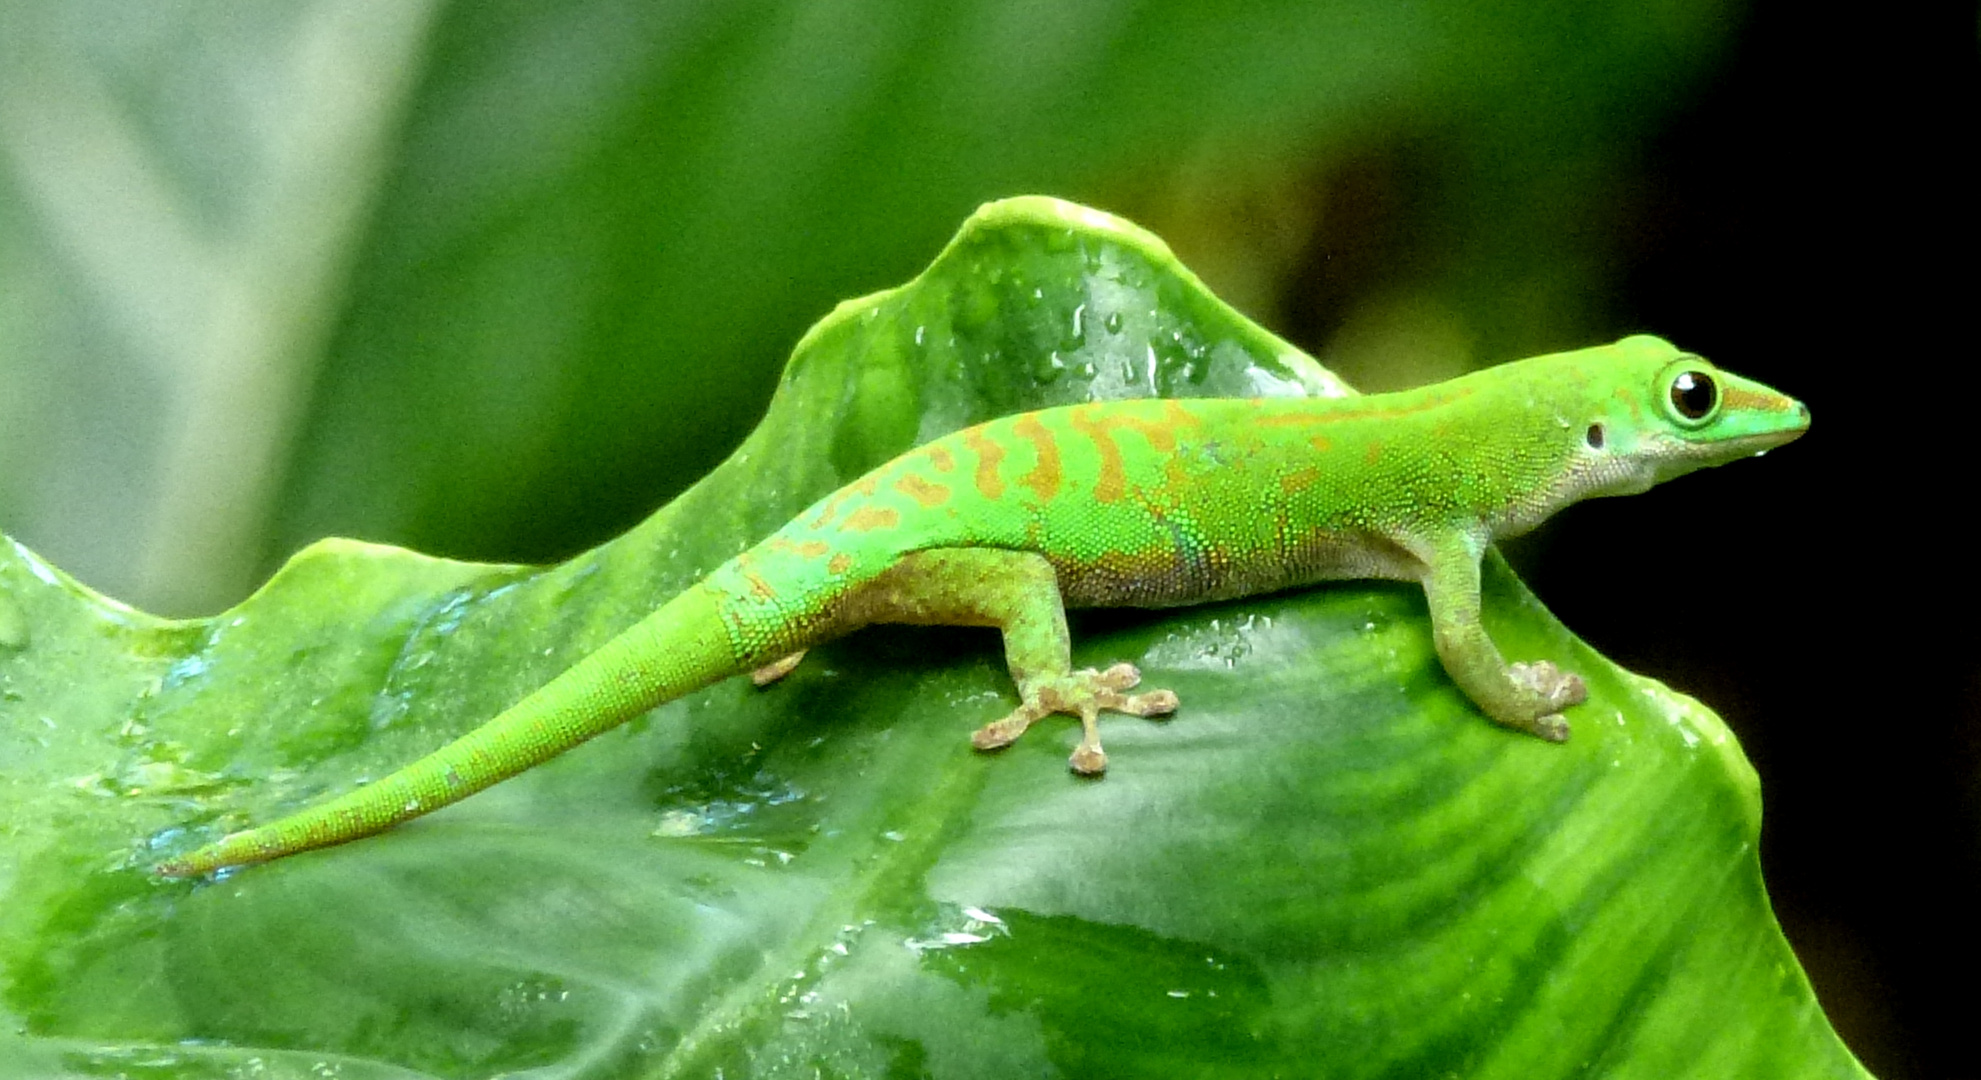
{"points": [[1327, 864]]}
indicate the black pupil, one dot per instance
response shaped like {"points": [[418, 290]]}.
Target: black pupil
{"points": [[1595, 436], [1692, 394]]}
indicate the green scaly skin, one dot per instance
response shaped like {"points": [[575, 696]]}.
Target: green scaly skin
{"points": [[1148, 503]]}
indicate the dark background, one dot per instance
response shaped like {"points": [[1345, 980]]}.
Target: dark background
{"points": [[1810, 221]]}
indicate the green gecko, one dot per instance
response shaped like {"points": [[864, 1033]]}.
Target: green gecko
{"points": [[1145, 503]]}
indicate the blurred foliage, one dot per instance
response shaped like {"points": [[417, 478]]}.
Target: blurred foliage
{"points": [[497, 278], [1328, 864]]}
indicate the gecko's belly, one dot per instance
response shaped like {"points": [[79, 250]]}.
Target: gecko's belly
{"points": [[1188, 575]]}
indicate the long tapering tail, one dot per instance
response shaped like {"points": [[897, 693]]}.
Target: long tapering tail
{"points": [[678, 649]]}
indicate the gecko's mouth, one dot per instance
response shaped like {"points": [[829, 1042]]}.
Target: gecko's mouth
{"points": [[1680, 456], [1748, 445]]}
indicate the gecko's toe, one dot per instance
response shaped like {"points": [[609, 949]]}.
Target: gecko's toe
{"points": [[999, 734], [1088, 760], [1153, 703], [777, 669], [1107, 687], [1117, 678], [1551, 727], [1573, 691], [1556, 689]]}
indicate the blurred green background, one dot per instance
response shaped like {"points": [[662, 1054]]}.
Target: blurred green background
{"points": [[494, 280]]}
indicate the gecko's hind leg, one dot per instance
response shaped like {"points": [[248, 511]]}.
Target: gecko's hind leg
{"points": [[1017, 592]]}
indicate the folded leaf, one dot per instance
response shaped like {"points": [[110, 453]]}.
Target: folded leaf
{"points": [[1327, 864]]}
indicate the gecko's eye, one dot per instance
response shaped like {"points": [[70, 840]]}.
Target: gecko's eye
{"points": [[1693, 394], [1688, 392], [1595, 436]]}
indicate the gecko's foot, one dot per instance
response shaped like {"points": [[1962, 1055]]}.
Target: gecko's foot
{"points": [[1083, 694], [771, 672], [1555, 690]]}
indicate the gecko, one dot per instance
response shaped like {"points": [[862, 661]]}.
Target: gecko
{"points": [[1138, 503]]}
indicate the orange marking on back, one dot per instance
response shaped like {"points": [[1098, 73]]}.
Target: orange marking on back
{"points": [[1178, 416], [1291, 419], [1375, 451], [863, 486], [1045, 476], [1161, 436], [1113, 480], [810, 549], [1299, 480], [922, 491], [1160, 433], [941, 458], [840, 563], [759, 586], [1321, 443], [1176, 476], [830, 508], [869, 518], [989, 456]]}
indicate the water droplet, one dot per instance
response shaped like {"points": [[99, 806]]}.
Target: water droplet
{"points": [[1114, 322], [675, 824], [921, 334]]}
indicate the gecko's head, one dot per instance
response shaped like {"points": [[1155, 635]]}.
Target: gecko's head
{"points": [[1657, 412]]}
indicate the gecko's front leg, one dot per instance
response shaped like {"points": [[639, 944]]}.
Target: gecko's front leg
{"points": [[1527, 697], [1017, 592]]}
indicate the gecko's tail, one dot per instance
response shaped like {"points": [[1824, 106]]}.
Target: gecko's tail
{"points": [[678, 649]]}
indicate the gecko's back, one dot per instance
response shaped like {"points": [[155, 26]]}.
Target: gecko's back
{"points": [[1161, 502]]}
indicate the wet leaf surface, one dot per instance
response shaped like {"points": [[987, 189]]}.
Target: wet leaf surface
{"points": [[1328, 863]]}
